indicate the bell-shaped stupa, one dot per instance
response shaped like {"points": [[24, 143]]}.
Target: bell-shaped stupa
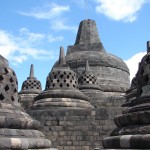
{"points": [[30, 89], [18, 131], [88, 80], [133, 126], [111, 72], [61, 89], [88, 85]]}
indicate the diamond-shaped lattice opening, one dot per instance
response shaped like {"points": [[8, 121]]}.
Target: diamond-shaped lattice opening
{"points": [[68, 76], [6, 70], [1, 78], [14, 73], [64, 72], [57, 80], [1, 97], [11, 80], [53, 85], [61, 85], [15, 90], [70, 81], [61, 75], [55, 76], [64, 81], [68, 85], [6, 88], [12, 98]]}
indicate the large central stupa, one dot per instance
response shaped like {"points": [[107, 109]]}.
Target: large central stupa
{"points": [[111, 72]]}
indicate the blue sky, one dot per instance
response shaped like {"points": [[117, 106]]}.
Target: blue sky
{"points": [[31, 31]]}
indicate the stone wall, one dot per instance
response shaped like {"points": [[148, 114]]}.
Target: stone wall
{"points": [[78, 129]]}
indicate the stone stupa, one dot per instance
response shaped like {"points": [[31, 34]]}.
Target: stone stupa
{"points": [[18, 131], [111, 72], [133, 126], [30, 89], [89, 86], [61, 89]]}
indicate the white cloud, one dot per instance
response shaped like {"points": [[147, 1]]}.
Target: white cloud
{"points": [[53, 13], [133, 63], [81, 3], [58, 25], [26, 44], [30, 36], [48, 11], [51, 38], [125, 10]]}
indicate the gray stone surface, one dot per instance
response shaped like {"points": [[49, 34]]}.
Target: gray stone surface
{"points": [[60, 109], [87, 33], [17, 129], [30, 89], [67, 119], [133, 129], [111, 71], [74, 129], [61, 89]]}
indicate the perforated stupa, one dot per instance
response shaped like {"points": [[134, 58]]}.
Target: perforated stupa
{"points": [[18, 131], [61, 89], [30, 89]]}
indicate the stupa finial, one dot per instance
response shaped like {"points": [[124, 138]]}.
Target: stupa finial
{"points": [[62, 56], [87, 68], [87, 33], [31, 71]]}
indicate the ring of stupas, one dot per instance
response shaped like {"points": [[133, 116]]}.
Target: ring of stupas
{"points": [[86, 91]]}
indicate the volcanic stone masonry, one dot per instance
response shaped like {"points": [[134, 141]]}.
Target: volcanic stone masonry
{"points": [[111, 72], [61, 89], [83, 93], [18, 131], [89, 86], [30, 89], [133, 125]]}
